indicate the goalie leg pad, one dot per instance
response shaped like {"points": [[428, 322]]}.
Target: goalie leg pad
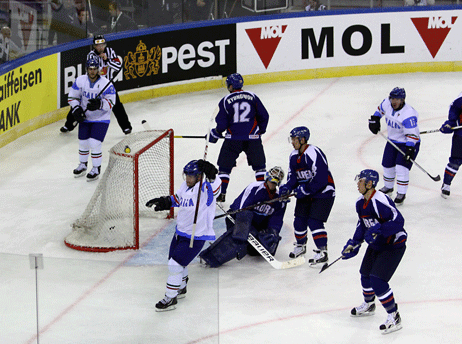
{"points": [[269, 238], [223, 250], [242, 226]]}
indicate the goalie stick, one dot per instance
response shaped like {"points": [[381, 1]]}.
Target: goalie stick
{"points": [[436, 179], [264, 252], [252, 206], [438, 131]]}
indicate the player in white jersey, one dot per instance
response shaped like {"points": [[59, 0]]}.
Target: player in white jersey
{"points": [[180, 253], [92, 93], [110, 65], [403, 130]]}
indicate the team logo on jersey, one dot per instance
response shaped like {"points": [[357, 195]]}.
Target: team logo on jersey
{"points": [[434, 30], [265, 40], [142, 62]]}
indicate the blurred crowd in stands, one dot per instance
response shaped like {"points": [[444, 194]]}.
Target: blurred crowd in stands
{"points": [[29, 25]]}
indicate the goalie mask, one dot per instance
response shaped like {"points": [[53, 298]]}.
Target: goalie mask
{"points": [[275, 175]]}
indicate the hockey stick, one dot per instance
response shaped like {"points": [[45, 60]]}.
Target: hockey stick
{"points": [[215, 112], [438, 131], [326, 266], [264, 252], [190, 137], [252, 206], [436, 179]]}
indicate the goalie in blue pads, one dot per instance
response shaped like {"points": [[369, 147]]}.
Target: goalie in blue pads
{"points": [[264, 222]]}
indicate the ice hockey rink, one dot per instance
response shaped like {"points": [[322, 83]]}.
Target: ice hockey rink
{"points": [[87, 297]]}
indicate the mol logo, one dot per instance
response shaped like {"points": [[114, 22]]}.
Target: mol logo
{"points": [[434, 30], [265, 40]]}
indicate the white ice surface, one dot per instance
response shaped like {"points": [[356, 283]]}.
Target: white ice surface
{"points": [[109, 297]]}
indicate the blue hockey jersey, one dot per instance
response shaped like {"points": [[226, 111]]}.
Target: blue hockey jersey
{"points": [[455, 114], [242, 115], [268, 215], [380, 209], [311, 170]]}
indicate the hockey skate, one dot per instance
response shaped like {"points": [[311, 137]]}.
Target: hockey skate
{"points": [[166, 304], [221, 197], [386, 190], [399, 198], [298, 250], [392, 324], [182, 291], [364, 310], [445, 190], [79, 171], [94, 174], [320, 257]]}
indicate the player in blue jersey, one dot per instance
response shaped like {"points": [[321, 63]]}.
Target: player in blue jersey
{"points": [[455, 160], [311, 180], [264, 222], [244, 118], [403, 130], [180, 253], [380, 224]]}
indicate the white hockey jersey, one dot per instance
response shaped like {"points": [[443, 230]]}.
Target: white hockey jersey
{"points": [[83, 89], [186, 199], [402, 125]]}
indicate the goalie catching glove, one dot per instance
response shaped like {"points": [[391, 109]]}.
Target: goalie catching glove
{"points": [[79, 114], [207, 168], [161, 203]]}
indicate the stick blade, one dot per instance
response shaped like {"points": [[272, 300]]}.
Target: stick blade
{"points": [[324, 267], [437, 178], [293, 263]]}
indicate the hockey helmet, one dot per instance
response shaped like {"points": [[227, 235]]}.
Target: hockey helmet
{"points": [[368, 175], [191, 168], [275, 175], [300, 132], [92, 62], [99, 39], [236, 80], [398, 93]]}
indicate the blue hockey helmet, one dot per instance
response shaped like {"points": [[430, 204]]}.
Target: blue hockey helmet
{"points": [[92, 62], [368, 175], [398, 93], [236, 80], [275, 175], [191, 168], [300, 132]]}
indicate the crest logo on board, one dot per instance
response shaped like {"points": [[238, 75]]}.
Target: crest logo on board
{"points": [[265, 40], [434, 30]]}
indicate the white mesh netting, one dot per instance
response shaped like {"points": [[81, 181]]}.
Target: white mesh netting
{"points": [[110, 221]]}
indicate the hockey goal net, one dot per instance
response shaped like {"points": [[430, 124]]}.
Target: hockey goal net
{"points": [[140, 168]]}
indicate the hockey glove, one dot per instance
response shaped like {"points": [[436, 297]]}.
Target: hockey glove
{"points": [[300, 192], [284, 190], [79, 114], [161, 203], [207, 168], [372, 233], [409, 153], [214, 136], [94, 104], [374, 124], [350, 250], [446, 128]]}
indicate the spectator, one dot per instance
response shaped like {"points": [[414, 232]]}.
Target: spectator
{"points": [[200, 9], [119, 20], [63, 22], [418, 2], [314, 5]]}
